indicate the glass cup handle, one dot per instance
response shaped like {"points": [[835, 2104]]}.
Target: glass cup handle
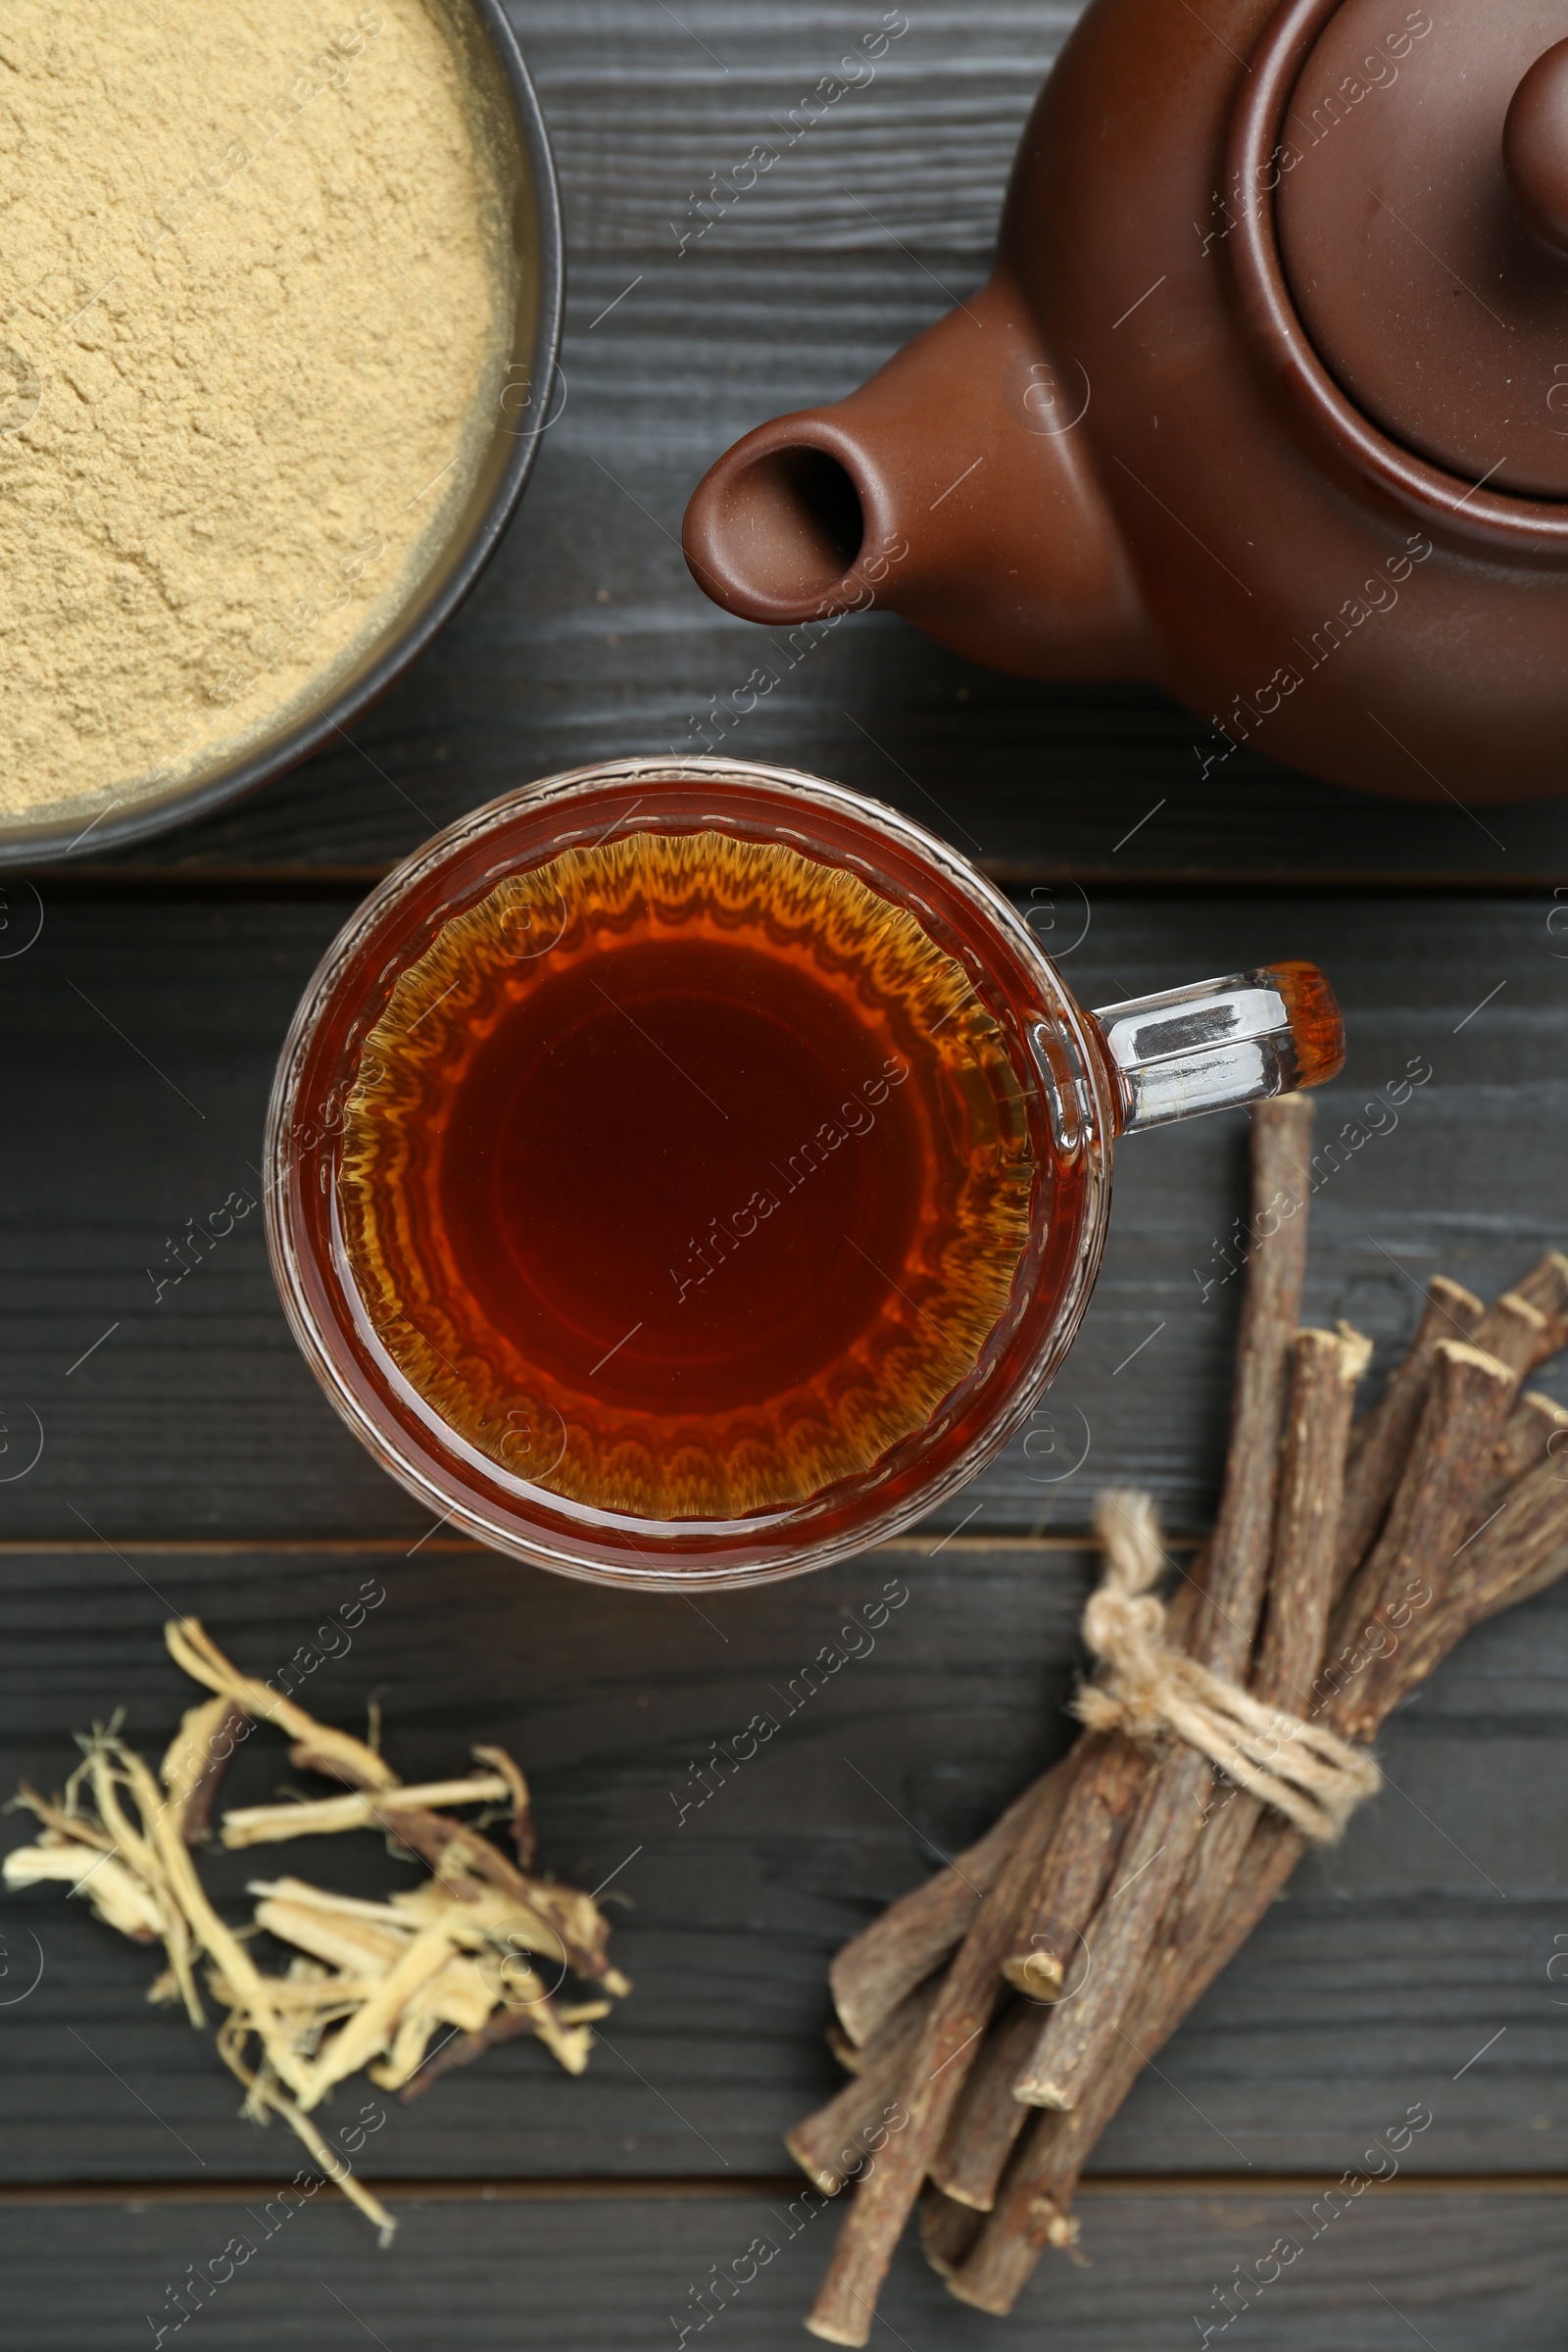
{"points": [[1219, 1043]]}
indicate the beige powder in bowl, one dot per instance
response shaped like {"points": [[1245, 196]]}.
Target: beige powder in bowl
{"points": [[254, 324]]}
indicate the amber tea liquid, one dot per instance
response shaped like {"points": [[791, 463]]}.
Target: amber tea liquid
{"points": [[685, 1176]]}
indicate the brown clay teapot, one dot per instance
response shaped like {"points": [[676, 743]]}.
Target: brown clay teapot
{"points": [[1266, 404]]}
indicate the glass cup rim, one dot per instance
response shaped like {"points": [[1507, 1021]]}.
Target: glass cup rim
{"points": [[322, 1339]]}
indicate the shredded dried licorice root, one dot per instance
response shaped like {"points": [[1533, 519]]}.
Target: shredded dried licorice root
{"points": [[462, 1955]]}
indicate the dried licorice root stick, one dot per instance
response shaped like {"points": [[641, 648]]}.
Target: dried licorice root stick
{"points": [[1106, 1790], [1078, 2038], [948, 2231], [1518, 1552], [1515, 1332], [1033, 2209], [1535, 1431], [1469, 1398], [830, 2145], [1496, 1573], [1108, 1776], [874, 1972], [1271, 1309], [1546, 1287], [946, 2049], [1076, 1866], [1033, 2205], [1108, 1779], [1038, 2194], [1051, 1949], [1070, 1848], [1325, 1370], [1071, 2042], [1215, 1614], [846, 2303], [1104, 1796], [988, 2119], [1380, 1442]]}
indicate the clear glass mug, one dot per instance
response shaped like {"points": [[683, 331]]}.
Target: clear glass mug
{"points": [[454, 1241]]}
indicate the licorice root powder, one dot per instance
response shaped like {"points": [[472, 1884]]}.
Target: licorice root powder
{"points": [[254, 322]]}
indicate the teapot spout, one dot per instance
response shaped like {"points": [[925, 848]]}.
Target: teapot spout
{"points": [[954, 487]]}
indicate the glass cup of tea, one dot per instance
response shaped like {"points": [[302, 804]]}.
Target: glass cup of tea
{"points": [[687, 1173]]}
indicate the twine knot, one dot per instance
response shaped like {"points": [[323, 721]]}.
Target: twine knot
{"points": [[1147, 1690]]}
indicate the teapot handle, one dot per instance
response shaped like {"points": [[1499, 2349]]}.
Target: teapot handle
{"points": [[1219, 1043]]}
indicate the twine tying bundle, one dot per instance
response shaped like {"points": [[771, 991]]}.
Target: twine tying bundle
{"points": [[1145, 1689]]}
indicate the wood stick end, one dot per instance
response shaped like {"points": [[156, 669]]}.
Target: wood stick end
{"points": [[1452, 1296], [834, 2331], [1039, 2090], [1485, 1369]]}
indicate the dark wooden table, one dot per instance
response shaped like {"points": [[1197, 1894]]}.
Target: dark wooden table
{"points": [[188, 1462]]}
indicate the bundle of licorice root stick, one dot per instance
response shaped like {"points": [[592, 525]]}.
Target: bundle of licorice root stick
{"points": [[994, 2019]]}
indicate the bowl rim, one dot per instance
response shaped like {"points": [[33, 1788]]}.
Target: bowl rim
{"points": [[26, 845]]}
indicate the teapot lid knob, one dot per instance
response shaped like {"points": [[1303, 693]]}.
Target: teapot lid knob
{"points": [[1535, 147]]}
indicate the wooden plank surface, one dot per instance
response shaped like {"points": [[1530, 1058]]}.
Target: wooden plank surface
{"points": [[1454, 2271], [188, 1462], [643, 108], [1428, 1934], [142, 1038]]}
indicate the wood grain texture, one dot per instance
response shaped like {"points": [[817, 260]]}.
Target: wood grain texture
{"points": [[644, 107], [141, 1042], [1411, 1964], [1396, 1958], [1466, 2272]]}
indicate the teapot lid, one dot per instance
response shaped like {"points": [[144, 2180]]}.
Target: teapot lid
{"points": [[1421, 213]]}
